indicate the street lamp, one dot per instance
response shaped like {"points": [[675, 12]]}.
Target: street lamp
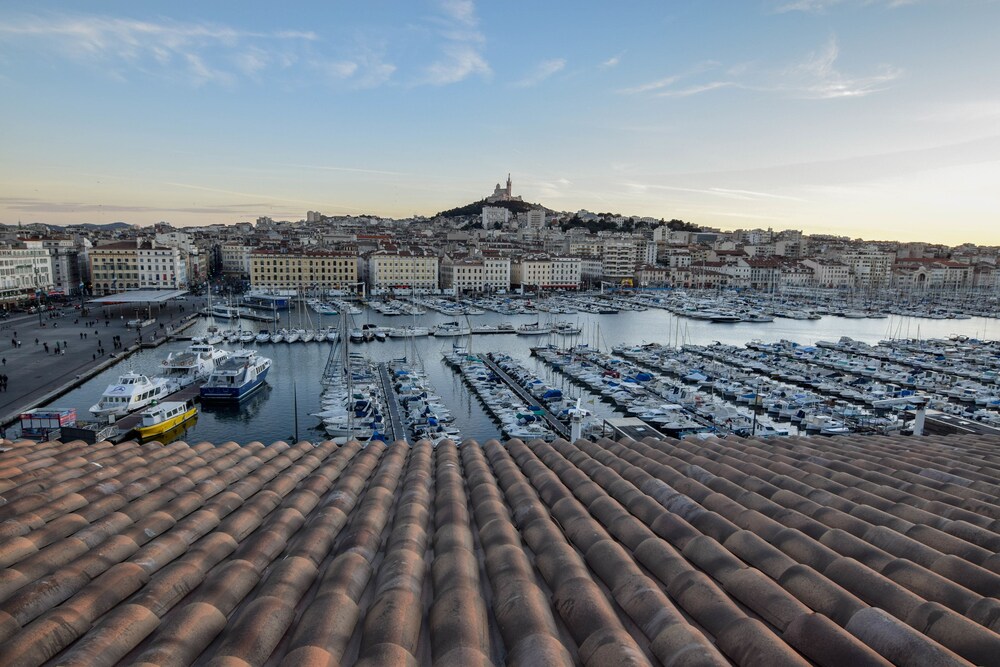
{"points": [[38, 296]]}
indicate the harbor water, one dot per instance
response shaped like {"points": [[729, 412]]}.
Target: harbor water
{"points": [[293, 387]]}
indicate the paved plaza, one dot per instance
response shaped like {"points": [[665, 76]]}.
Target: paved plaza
{"points": [[85, 342]]}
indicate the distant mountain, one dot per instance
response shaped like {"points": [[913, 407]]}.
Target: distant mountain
{"points": [[476, 208], [110, 226]]}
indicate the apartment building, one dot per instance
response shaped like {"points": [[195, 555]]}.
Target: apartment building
{"points": [[567, 273], [160, 267], [828, 273], [932, 274], [23, 272], [114, 267], [534, 271], [870, 267], [303, 269], [236, 259], [413, 270]]}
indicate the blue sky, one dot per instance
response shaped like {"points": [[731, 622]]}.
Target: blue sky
{"points": [[870, 118]]}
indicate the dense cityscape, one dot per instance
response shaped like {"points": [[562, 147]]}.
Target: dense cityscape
{"points": [[496, 250]]}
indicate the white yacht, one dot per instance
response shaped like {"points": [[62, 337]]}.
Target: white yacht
{"points": [[236, 377], [132, 392], [195, 363]]}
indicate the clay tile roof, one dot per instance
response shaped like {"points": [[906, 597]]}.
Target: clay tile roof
{"points": [[850, 550]]}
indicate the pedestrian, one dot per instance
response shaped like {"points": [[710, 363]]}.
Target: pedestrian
{"points": [[5, 361], [93, 357], [46, 347], [36, 341]]}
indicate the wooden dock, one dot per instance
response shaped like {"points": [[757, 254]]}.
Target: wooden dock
{"points": [[398, 432]]}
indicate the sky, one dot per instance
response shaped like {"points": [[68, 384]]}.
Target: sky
{"points": [[877, 119]]}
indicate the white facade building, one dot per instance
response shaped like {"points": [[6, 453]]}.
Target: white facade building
{"points": [[23, 272], [492, 215]]}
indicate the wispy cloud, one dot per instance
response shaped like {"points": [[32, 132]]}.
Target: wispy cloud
{"points": [[726, 193], [816, 76], [201, 52], [542, 71], [665, 86], [696, 89], [613, 61], [461, 52], [819, 6]]}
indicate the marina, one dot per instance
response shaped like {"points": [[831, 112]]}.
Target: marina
{"points": [[628, 327]]}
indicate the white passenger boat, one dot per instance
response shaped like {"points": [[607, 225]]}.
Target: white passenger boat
{"points": [[195, 363], [132, 392], [236, 377]]}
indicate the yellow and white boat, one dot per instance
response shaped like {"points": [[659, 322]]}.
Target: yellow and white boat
{"points": [[165, 416]]}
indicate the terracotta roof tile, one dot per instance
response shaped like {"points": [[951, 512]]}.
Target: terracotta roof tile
{"points": [[773, 552]]}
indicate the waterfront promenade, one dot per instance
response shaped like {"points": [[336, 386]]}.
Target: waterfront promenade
{"points": [[35, 376]]}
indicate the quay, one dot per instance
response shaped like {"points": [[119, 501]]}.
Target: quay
{"points": [[550, 419], [397, 431], [37, 377]]}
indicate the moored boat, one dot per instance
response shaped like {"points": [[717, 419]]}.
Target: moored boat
{"points": [[165, 416], [132, 392], [236, 377]]}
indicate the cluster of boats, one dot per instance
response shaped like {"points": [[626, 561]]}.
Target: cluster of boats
{"points": [[222, 376], [422, 411], [246, 337], [352, 404], [516, 417], [667, 406]]}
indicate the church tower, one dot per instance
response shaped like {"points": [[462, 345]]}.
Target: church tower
{"points": [[508, 185]]}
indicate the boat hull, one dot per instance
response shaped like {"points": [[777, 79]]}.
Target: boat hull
{"points": [[233, 393], [165, 425]]}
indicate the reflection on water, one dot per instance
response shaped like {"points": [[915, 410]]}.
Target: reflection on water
{"points": [[176, 433], [244, 412]]}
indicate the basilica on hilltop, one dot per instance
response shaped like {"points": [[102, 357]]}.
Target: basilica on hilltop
{"points": [[502, 194]]}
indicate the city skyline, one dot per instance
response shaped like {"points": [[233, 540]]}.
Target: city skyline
{"points": [[862, 118]]}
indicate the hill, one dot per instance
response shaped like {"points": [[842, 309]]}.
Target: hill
{"points": [[476, 208]]}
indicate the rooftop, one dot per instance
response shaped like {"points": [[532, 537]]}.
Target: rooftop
{"points": [[856, 550]]}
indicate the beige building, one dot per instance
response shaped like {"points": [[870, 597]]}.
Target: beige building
{"points": [[869, 267], [531, 271], [114, 267], [567, 272], [828, 273], [136, 265], [305, 269], [236, 259], [413, 271], [479, 273]]}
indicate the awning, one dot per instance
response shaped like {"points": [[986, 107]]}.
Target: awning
{"points": [[139, 296]]}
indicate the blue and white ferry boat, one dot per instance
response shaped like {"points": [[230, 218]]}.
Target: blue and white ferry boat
{"points": [[236, 377]]}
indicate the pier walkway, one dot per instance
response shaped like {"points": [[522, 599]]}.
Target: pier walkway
{"points": [[37, 375], [550, 419], [392, 403]]}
